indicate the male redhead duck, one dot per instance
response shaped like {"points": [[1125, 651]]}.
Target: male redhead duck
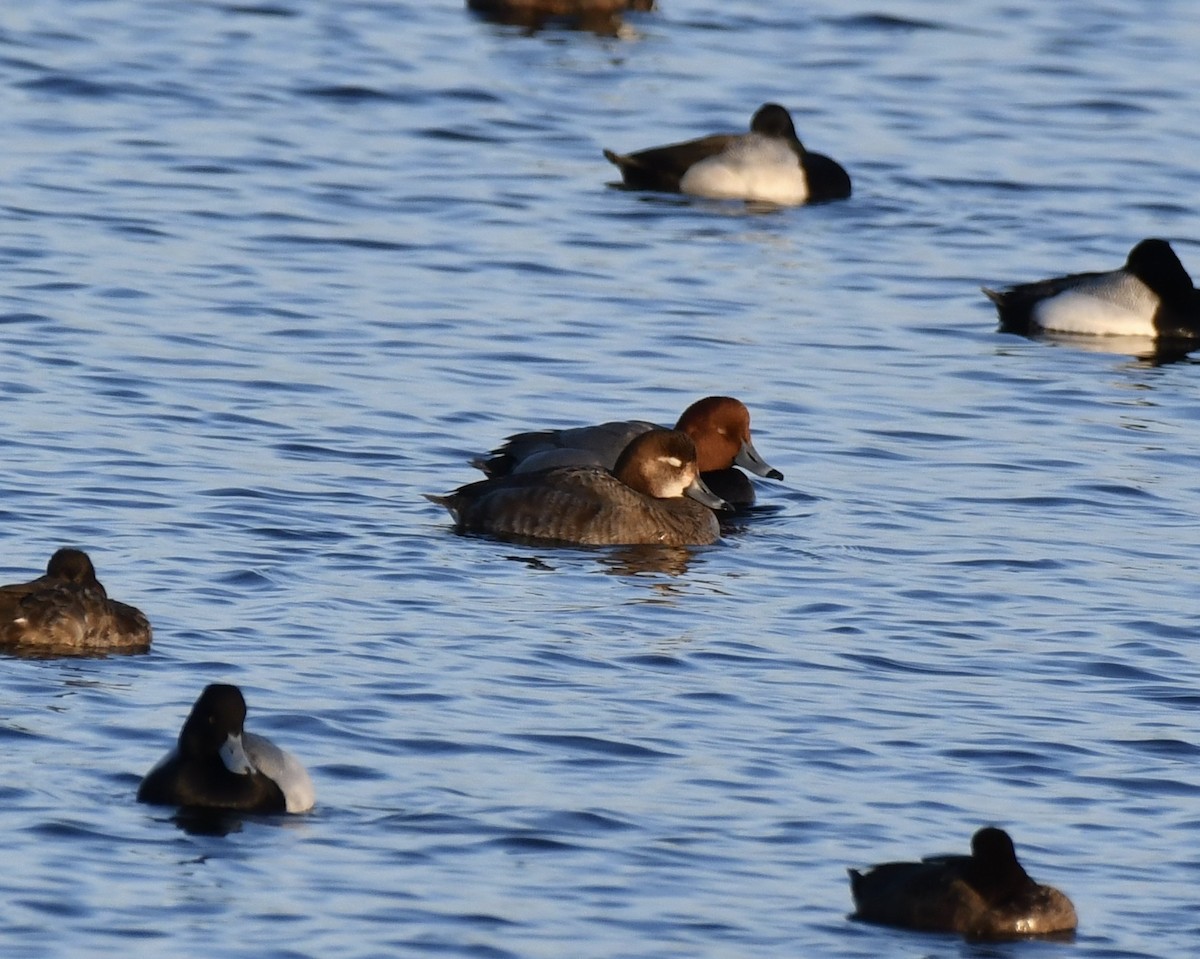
{"points": [[769, 164], [1150, 296], [218, 765], [68, 610], [718, 425], [654, 494], [986, 895]]}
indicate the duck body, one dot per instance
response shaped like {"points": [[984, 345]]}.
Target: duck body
{"points": [[654, 495], [986, 895], [1150, 296], [718, 425], [557, 8], [216, 764], [769, 165], [599, 16], [68, 610], [597, 445]]}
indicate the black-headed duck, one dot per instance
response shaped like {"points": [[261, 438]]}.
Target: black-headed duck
{"points": [[216, 764], [1150, 296], [769, 165]]}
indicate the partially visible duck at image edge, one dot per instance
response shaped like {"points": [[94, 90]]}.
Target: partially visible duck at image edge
{"points": [[718, 425], [599, 15], [986, 895], [654, 495], [67, 610], [216, 764], [768, 165], [1151, 296]]}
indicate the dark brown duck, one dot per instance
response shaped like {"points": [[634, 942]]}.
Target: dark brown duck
{"points": [[653, 495], [986, 895], [67, 610]]}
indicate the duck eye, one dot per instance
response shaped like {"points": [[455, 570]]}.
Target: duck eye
{"points": [[674, 461]]}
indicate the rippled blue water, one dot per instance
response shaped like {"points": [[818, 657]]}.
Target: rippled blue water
{"points": [[273, 271]]}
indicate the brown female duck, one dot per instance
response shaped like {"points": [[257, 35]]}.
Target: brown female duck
{"points": [[67, 609], [654, 494], [986, 895]]}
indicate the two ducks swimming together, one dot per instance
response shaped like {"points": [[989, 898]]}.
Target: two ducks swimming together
{"points": [[618, 483]]}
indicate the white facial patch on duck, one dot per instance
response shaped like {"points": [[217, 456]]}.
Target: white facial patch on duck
{"points": [[754, 167], [1115, 304], [673, 478]]}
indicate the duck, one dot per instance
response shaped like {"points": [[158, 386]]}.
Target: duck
{"points": [[718, 425], [601, 16], [218, 765], [1151, 296], [67, 609], [767, 165], [986, 895], [653, 495]]}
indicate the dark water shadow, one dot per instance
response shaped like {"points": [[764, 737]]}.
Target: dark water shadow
{"points": [[639, 560], [619, 560], [224, 822]]}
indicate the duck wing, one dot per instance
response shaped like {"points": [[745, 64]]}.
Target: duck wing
{"points": [[661, 168]]}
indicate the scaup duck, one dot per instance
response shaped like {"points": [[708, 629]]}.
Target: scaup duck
{"points": [[718, 425], [769, 164], [654, 494], [67, 609], [1150, 296], [986, 895], [218, 765]]}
